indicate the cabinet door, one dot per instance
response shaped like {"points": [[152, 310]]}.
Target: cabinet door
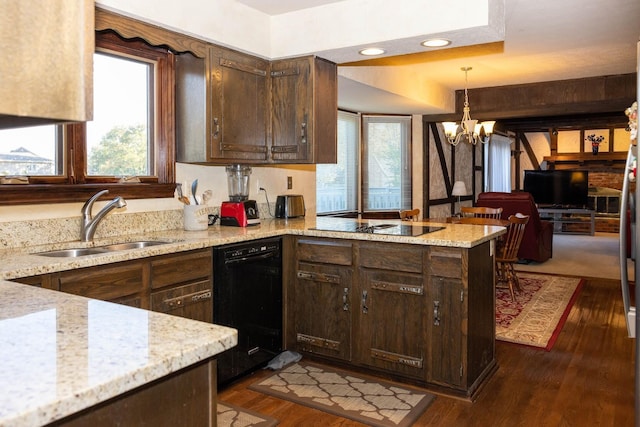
{"points": [[323, 310], [122, 283], [239, 101], [291, 110], [325, 112], [446, 341], [448, 321], [392, 331], [304, 109], [193, 301]]}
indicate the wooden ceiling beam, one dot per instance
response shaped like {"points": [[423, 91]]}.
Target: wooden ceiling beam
{"points": [[537, 106]]}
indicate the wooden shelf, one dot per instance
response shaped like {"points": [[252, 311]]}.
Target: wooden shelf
{"points": [[569, 216], [615, 160]]}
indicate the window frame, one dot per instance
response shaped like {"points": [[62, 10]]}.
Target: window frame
{"points": [[75, 185], [355, 118], [406, 187], [109, 42]]}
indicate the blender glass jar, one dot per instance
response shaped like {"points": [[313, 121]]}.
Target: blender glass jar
{"points": [[238, 182]]}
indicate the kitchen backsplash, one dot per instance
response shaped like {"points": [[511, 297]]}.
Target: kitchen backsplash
{"points": [[34, 232]]}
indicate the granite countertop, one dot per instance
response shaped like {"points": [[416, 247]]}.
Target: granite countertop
{"points": [[63, 353], [25, 262]]}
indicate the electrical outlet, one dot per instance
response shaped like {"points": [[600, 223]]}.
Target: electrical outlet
{"points": [[289, 182]]}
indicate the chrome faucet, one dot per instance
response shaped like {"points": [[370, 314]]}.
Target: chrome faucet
{"points": [[89, 224]]}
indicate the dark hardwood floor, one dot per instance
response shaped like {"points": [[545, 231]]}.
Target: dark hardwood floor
{"points": [[587, 379]]}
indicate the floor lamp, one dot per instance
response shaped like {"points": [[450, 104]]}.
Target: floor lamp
{"points": [[459, 189]]}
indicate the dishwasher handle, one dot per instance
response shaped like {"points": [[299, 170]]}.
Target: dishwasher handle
{"points": [[257, 257]]}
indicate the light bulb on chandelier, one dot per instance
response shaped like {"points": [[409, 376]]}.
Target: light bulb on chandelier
{"points": [[468, 130]]}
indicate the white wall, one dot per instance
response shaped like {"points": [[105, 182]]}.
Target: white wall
{"points": [[272, 178]]}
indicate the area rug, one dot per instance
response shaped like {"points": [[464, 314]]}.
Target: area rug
{"points": [[539, 312], [360, 398], [234, 416]]}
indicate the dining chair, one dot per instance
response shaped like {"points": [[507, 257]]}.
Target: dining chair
{"points": [[410, 215], [481, 212], [482, 221], [507, 253]]}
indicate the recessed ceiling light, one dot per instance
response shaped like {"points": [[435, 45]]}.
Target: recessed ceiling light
{"points": [[371, 51], [436, 43]]}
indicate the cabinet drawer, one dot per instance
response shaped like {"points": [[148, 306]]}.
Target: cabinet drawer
{"points": [[324, 251], [445, 262], [180, 268], [385, 256], [178, 300], [105, 282]]}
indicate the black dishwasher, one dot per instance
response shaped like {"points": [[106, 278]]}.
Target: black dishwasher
{"points": [[247, 283]]}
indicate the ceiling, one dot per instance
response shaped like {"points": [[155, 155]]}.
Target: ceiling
{"points": [[544, 40], [278, 7]]}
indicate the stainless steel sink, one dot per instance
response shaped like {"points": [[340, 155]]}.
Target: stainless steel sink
{"points": [[71, 253], [133, 245], [77, 252]]}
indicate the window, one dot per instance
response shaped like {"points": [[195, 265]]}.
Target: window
{"points": [[498, 170], [131, 134], [120, 139], [32, 151], [337, 184], [385, 167], [386, 163]]}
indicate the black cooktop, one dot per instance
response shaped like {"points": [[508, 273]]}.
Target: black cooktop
{"points": [[376, 228]]}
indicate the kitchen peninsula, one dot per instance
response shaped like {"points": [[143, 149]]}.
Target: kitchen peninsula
{"points": [[64, 355], [456, 258]]}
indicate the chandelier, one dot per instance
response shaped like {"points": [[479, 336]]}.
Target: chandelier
{"points": [[468, 130]]}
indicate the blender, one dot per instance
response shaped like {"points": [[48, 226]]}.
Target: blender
{"points": [[239, 211]]}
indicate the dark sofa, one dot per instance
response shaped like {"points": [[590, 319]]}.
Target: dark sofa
{"points": [[537, 243]]}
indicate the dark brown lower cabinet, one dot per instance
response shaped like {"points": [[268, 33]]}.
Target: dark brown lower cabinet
{"points": [[322, 293], [182, 285], [323, 318], [392, 310], [392, 333], [423, 313], [185, 398], [179, 284], [122, 283]]}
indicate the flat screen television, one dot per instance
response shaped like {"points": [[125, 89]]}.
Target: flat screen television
{"points": [[558, 188]]}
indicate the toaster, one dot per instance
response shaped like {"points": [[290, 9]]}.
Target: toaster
{"points": [[290, 206]]}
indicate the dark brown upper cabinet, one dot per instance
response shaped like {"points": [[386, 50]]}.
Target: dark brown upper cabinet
{"points": [[238, 113], [237, 108], [304, 112]]}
